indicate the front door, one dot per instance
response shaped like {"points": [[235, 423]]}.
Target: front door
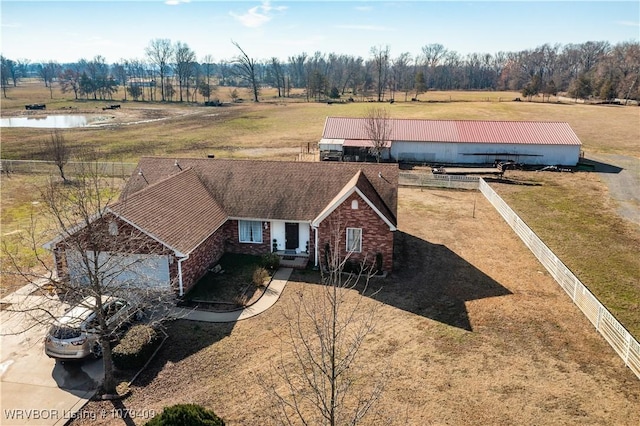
{"points": [[291, 236]]}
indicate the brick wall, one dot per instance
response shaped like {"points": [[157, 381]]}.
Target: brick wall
{"points": [[376, 236], [233, 244], [203, 258]]}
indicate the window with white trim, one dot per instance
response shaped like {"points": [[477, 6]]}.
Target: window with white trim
{"points": [[354, 240], [250, 231]]}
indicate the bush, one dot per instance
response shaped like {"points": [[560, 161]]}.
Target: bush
{"points": [[352, 267], [270, 261], [136, 347], [379, 263], [260, 275], [186, 415]]}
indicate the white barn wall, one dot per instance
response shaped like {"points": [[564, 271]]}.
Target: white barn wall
{"points": [[441, 152]]}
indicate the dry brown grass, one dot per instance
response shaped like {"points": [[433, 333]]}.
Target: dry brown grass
{"points": [[279, 128], [471, 330], [572, 214]]}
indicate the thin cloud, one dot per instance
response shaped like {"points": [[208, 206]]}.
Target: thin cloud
{"points": [[363, 8], [12, 25], [364, 27], [176, 2], [628, 23], [258, 15]]}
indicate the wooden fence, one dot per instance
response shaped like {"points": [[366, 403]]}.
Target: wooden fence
{"points": [[438, 181], [71, 168], [610, 328]]}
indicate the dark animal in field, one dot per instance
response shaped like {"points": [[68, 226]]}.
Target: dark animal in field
{"points": [[35, 106]]}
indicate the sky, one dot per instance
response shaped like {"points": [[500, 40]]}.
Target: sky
{"points": [[121, 29]]}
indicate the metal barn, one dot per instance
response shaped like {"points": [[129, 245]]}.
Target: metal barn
{"points": [[455, 141]]}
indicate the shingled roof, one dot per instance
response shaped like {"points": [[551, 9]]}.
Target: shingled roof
{"points": [[250, 189], [456, 131], [178, 211]]}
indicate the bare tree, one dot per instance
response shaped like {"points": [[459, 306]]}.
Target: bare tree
{"points": [[277, 75], [100, 260], [120, 71], [378, 128], [160, 52], [381, 58], [326, 328], [48, 72], [184, 66], [5, 72], [246, 69], [58, 151], [207, 69], [70, 80]]}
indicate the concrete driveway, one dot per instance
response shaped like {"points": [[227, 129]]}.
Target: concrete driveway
{"points": [[34, 389]]}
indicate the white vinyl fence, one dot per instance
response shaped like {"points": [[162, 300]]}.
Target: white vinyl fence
{"points": [[71, 168], [438, 181], [618, 337]]}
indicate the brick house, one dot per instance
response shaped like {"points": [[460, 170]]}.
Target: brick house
{"points": [[186, 213]]}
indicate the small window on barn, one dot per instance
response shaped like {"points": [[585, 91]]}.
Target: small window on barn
{"points": [[354, 205], [250, 231], [354, 240], [113, 228]]}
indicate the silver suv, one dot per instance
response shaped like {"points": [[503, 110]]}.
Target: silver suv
{"points": [[76, 335]]}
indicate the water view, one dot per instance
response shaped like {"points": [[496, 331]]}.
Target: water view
{"points": [[46, 122]]}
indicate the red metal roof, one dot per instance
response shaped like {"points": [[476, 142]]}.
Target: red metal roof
{"points": [[363, 143], [457, 131]]}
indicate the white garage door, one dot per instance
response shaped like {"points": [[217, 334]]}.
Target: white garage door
{"points": [[137, 270]]}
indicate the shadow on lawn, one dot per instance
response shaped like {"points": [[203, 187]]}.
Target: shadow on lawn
{"points": [[185, 339], [432, 281]]}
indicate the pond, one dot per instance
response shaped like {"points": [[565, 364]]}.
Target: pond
{"points": [[46, 122]]}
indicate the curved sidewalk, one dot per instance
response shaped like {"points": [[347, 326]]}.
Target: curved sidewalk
{"points": [[268, 299]]}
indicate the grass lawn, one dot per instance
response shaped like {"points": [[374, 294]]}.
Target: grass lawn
{"points": [[571, 213], [469, 329]]}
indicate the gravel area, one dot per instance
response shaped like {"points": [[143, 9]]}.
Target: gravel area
{"points": [[621, 174]]}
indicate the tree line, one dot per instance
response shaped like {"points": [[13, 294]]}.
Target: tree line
{"points": [[170, 71]]}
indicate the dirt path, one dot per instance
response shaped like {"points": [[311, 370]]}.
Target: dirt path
{"points": [[624, 185]]}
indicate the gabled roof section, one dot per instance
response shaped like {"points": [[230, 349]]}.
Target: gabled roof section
{"points": [[178, 211], [457, 131], [360, 185], [270, 190]]}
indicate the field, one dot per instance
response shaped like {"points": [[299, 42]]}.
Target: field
{"points": [[281, 128], [470, 331]]}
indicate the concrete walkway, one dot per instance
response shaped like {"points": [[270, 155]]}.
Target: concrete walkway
{"points": [[268, 299]]}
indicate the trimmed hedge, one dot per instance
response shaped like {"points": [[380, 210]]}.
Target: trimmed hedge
{"points": [[186, 415], [136, 347]]}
